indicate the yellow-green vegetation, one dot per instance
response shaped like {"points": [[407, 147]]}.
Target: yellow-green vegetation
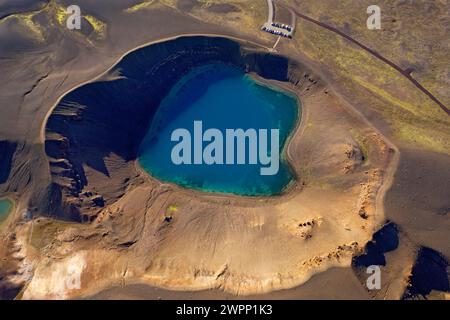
{"points": [[44, 231], [98, 26], [36, 29], [60, 14], [173, 208], [423, 137], [170, 3], [378, 90], [140, 6], [26, 20], [414, 117], [55, 12], [413, 34]]}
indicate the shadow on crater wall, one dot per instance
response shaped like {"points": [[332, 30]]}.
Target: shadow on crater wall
{"points": [[109, 117], [7, 150]]}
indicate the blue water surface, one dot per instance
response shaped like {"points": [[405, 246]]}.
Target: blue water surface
{"points": [[222, 97], [5, 208]]}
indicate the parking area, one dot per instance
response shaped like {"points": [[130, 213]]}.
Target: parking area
{"points": [[277, 28]]}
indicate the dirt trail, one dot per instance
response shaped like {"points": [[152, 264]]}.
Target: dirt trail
{"points": [[405, 73]]}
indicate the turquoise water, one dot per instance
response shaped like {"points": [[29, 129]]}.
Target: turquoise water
{"points": [[222, 97], [5, 208]]}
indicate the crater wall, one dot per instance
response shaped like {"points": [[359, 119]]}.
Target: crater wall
{"points": [[94, 132]]}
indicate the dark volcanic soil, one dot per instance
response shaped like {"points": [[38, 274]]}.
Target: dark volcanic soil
{"points": [[420, 197]]}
